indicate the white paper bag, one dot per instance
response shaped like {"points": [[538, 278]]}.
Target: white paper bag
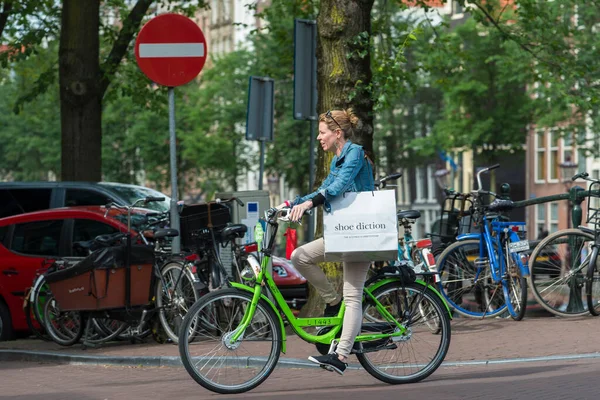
{"points": [[362, 226]]}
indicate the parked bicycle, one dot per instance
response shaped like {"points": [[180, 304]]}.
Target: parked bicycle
{"points": [[484, 274], [231, 339], [123, 282], [566, 263]]}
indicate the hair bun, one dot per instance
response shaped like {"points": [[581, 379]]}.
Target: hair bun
{"points": [[354, 120]]}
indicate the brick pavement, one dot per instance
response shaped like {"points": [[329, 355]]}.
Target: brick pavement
{"points": [[471, 340]]}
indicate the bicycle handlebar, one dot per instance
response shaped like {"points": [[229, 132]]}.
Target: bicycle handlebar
{"points": [[383, 181], [229, 200]]}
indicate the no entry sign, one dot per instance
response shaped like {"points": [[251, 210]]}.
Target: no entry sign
{"points": [[171, 50]]}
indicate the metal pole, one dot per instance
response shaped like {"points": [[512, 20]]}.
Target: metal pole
{"points": [[176, 244], [311, 179], [262, 164]]}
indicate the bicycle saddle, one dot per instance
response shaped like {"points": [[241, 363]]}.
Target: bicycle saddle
{"points": [[501, 205], [163, 233], [409, 214], [235, 231]]}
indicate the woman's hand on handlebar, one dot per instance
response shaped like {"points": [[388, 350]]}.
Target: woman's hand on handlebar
{"points": [[299, 210]]}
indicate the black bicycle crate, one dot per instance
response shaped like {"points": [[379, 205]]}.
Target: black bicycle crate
{"points": [[196, 218], [593, 209]]}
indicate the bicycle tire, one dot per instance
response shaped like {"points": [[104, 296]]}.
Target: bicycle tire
{"points": [[106, 330], [182, 296], [225, 318], [456, 271], [417, 325], [593, 276], [65, 336], [547, 293], [514, 287]]}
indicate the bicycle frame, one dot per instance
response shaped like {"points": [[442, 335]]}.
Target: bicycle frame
{"points": [[486, 247], [264, 278]]}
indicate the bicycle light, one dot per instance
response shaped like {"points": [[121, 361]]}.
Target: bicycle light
{"points": [[247, 274]]}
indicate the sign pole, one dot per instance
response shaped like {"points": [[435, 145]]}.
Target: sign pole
{"points": [[311, 179], [176, 243], [262, 163]]}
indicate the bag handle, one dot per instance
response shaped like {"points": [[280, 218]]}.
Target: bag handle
{"points": [[368, 161], [93, 278]]}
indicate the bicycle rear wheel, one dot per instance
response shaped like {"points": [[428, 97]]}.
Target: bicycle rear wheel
{"points": [[174, 298], [207, 352], [421, 351], [469, 289], [558, 269]]}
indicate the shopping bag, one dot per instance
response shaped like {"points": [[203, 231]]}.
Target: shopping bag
{"points": [[291, 242], [362, 226]]}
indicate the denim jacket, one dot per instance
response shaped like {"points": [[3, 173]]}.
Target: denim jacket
{"points": [[350, 172]]}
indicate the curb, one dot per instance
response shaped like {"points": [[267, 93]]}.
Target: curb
{"points": [[175, 361], [142, 361]]}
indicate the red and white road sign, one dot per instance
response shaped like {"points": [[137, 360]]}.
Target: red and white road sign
{"points": [[171, 50]]}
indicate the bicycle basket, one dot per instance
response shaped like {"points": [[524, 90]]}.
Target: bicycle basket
{"points": [[593, 211], [453, 220], [98, 281], [198, 217]]}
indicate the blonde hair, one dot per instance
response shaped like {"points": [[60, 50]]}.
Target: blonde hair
{"points": [[345, 120]]}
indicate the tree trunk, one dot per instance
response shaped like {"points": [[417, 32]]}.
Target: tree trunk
{"points": [[340, 78], [80, 91]]}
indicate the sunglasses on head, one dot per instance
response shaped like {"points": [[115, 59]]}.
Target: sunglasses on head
{"points": [[328, 115]]}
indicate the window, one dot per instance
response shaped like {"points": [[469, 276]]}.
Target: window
{"points": [[78, 197], [39, 238], [421, 184], [553, 223], [540, 156], [430, 184], [19, 201], [86, 229], [3, 232], [540, 220], [554, 163], [457, 8]]}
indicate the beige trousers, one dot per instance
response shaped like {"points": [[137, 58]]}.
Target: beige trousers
{"points": [[305, 259]]}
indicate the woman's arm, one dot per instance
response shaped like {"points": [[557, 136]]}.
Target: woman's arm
{"points": [[353, 162]]}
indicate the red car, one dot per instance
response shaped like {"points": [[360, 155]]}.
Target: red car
{"points": [[292, 285], [26, 240]]}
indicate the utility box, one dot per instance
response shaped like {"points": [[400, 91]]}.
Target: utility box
{"points": [[256, 202]]}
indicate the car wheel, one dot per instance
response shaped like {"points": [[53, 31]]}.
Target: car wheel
{"points": [[6, 330]]}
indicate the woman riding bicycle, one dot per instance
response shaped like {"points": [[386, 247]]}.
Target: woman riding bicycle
{"points": [[350, 171]]}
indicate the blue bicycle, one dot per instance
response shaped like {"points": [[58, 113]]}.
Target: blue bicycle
{"points": [[483, 274]]}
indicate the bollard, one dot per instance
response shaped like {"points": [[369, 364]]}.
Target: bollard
{"points": [[576, 284]]}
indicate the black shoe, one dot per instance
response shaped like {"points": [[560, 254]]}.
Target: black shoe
{"points": [[330, 362], [332, 311]]}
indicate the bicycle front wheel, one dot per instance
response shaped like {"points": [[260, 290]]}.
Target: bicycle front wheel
{"points": [[514, 286], [64, 327], [558, 267], [417, 354], [205, 342], [469, 289]]}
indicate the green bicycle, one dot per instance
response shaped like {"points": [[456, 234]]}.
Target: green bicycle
{"points": [[231, 339]]}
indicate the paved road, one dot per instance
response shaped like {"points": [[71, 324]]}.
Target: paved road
{"points": [[549, 380]]}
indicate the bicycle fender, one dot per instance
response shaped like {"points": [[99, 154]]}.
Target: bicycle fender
{"points": [[383, 282], [270, 303], [467, 236]]}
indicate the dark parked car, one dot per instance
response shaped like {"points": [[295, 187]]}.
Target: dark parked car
{"points": [[23, 197]]}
